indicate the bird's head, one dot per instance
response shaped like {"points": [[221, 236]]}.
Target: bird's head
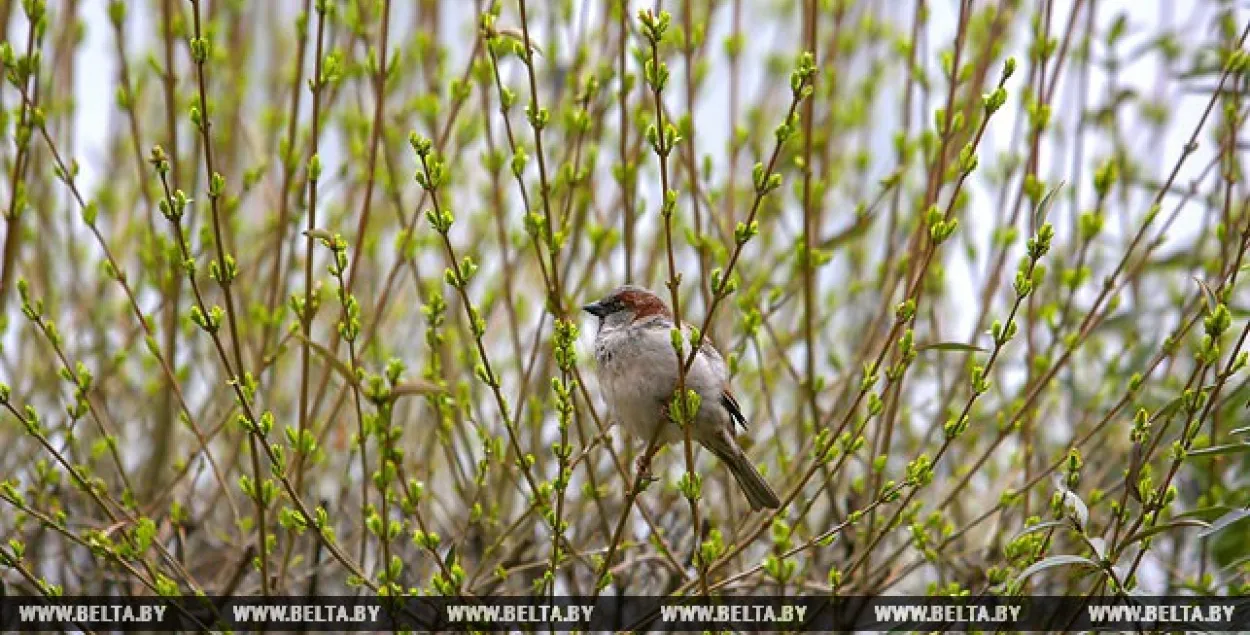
{"points": [[626, 304]]}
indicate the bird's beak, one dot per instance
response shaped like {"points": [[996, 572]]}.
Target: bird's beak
{"points": [[596, 309]]}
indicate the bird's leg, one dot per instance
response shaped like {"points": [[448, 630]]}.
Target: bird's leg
{"points": [[643, 463], [643, 478]]}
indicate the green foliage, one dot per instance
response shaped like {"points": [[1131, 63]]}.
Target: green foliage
{"points": [[252, 319]]}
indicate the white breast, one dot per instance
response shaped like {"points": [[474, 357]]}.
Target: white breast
{"points": [[637, 372]]}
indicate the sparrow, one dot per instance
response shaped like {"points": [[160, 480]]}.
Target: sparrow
{"points": [[637, 369]]}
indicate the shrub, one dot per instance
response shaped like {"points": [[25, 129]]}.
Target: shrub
{"points": [[976, 267]]}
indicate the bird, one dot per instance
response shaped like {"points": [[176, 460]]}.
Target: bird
{"points": [[637, 370]]}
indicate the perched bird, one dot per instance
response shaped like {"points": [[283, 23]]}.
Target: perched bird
{"points": [[638, 377]]}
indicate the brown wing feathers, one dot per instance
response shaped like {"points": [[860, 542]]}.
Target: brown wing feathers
{"points": [[735, 411]]}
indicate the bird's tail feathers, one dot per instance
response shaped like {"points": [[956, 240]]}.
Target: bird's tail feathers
{"points": [[758, 492]]}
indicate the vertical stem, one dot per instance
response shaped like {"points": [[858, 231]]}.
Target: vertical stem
{"points": [[288, 175], [375, 137], [379, 123], [810, 26], [735, 53], [218, 242], [663, 145], [306, 316], [13, 217], [627, 187], [555, 293]]}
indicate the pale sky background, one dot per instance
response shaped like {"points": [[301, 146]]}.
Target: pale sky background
{"points": [[96, 82]]}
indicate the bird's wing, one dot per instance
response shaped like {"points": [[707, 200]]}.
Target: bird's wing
{"points": [[735, 411], [707, 351], [708, 348]]}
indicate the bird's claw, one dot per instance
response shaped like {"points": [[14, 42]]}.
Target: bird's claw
{"points": [[643, 467]]}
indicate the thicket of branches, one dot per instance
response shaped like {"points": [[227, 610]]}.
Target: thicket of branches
{"points": [[293, 305]]}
